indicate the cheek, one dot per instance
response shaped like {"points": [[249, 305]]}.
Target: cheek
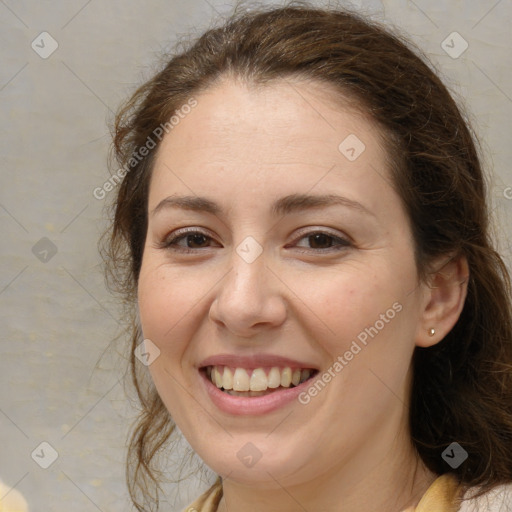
{"points": [[342, 304], [369, 321], [372, 309], [164, 301]]}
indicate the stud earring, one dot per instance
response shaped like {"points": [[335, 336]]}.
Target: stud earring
{"points": [[431, 331]]}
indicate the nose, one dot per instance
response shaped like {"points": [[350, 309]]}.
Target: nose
{"points": [[249, 298]]}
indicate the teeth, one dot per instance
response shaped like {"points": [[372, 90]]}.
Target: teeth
{"points": [[274, 378], [240, 380], [227, 378], [217, 377], [257, 380], [286, 377]]}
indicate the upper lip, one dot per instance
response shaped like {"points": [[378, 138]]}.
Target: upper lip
{"points": [[254, 361]]}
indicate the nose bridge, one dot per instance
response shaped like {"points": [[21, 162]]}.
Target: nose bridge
{"points": [[247, 281], [248, 296]]}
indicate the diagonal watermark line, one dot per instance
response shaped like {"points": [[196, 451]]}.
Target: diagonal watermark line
{"points": [[277, 221], [86, 86], [388, 388], [85, 494], [14, 76], [13, 218], [321, 178], [89, 411], [307, 192], [302, 96], [413, 290], [224, 500], [286, 491], [14, 423], [485, 15], [170, 170], [389, 182], [198, 301], [279, 424], [95, 140], [13, 13], [89, 293], [213, 7], [77, 13], [196, 401], [434, 272], [492, 81], [327, 327], [74, 218], [424, 13], [13, 279], [13, 487], [192, 191]]}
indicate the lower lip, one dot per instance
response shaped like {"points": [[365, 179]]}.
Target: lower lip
{"points": [[241, 405]]}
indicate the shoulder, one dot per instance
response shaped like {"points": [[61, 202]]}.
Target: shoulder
{"points": [[498, 499], [448, 495], [208, 501]]}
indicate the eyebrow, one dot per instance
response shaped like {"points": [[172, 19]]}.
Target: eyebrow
{"points": [[282, 206]]}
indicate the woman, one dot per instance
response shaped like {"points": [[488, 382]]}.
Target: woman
{"points": [[302, 236]]}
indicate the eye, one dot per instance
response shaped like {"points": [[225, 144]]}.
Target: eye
{"points": [[322, 241], [187, 241], [193, 240]]}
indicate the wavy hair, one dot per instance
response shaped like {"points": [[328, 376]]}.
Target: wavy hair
{"points": [[462, 386]]}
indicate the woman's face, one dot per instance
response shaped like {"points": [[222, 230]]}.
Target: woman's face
{"points": [[277, 244]]}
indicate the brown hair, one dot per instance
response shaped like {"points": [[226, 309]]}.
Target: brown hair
{"points": [[462, 386]]}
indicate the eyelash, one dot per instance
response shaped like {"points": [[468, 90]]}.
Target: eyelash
{"points": [[171, 243]]}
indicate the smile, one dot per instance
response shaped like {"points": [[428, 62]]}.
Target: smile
{"points": [[257, 381], [240, 391]]}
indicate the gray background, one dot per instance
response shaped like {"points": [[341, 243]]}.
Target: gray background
{"points": [[61, 378]]}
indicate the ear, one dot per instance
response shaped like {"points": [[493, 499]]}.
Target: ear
{"points": [[445, 294]]}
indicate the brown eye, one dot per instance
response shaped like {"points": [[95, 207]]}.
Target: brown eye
{"points": [[188, 241], [320, 240], [195, 240]]}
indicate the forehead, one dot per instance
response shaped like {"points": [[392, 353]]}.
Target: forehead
{"points": [[287, 134]]}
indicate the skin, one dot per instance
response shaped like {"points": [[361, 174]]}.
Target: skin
{"points": [[245, 147]]}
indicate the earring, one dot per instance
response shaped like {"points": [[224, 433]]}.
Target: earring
{"points": [[431, 331]]}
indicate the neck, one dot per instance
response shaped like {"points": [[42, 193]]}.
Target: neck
{"points": [[397, 496], [396, 481]]}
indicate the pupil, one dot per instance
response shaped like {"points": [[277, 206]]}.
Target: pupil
{"points": [[320, 239], [196, 239]]}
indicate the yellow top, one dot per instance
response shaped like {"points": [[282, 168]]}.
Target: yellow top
{"points": [[11, 500], [442, 496]]}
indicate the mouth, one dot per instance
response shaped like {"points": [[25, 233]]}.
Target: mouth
{"points": [[256, 382]]}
